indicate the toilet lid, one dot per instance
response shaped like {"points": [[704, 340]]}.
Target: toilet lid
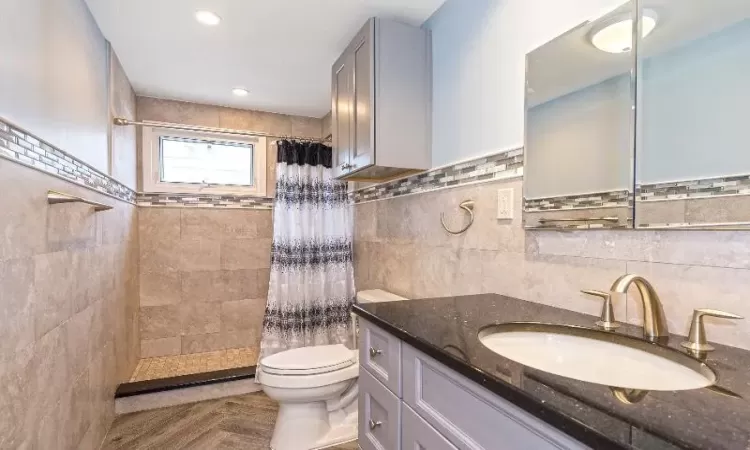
{"points": [[309, 360]]}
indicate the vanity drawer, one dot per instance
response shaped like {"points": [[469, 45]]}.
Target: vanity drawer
{"points": [[416, 434], [379, 415], [468, 415], [380, 354]]}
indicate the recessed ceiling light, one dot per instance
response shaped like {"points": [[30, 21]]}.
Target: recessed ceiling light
{"points": [[616, 35], [240, 92], [207, 18]]}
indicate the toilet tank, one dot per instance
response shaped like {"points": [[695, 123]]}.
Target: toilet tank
{"points": [[372, 296], [377, 295]]}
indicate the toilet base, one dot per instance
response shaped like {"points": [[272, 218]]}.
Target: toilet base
{"points": [[310, 426]]}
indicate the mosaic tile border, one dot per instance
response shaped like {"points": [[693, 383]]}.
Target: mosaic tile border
{"points": [[698, 188], [168, 200], [610, 199], [24, 148], [499, 166]]}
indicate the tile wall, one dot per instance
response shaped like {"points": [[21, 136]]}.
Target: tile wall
{"points": [[400, 246], [205, 262], [236, 119], [204, 279], [68, 311]]}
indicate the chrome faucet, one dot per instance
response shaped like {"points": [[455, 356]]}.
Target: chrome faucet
{"points": [[654, 323]]}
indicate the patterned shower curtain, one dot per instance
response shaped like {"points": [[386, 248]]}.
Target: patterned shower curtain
{"points": [[312, 277]]}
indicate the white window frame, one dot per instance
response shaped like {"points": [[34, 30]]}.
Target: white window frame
{"points": [[151, 163]]}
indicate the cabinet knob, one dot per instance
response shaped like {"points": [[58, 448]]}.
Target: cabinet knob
{"points": [[375, 352], [374, 424], [697, 344], [607, 320], [346, 166]]}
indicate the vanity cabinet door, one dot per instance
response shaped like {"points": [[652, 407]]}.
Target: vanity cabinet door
{"points": [[379, 415], [416, 434], [471, 417], [380, 354]]}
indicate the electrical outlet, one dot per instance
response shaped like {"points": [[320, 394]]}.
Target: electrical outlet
{"points": [[505, 203]]}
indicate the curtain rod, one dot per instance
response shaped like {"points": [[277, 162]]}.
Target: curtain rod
{"points": [[120, 121]]}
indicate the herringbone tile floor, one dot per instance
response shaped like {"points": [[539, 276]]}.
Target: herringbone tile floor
{"points": [[244, 422]]}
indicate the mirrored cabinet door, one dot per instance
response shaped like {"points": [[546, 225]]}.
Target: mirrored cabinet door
{"points": [[580, 126], [693, 115]]}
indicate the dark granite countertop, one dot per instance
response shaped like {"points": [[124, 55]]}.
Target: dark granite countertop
{"points": [[446, 329]]}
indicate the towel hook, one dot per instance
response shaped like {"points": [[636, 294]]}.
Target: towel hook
{"points": [[467, 206]]}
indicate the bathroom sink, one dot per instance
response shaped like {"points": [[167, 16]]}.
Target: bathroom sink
{"points": [[595, 356]]}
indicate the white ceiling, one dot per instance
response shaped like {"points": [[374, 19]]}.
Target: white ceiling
{"points": [[570, 62], [280, 50]]}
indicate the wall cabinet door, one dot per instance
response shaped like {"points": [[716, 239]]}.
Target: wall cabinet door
{"points": [[363, 149], [341, 121]]}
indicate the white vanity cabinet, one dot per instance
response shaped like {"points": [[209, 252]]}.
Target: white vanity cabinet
{"points": [[434, 408], [380, 106]]}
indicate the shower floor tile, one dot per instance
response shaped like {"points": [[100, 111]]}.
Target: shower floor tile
{"points": [[174, 366]]}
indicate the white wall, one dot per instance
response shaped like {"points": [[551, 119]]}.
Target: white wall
{"points": [[580, 143], [479, 50], [53, 75], [694, 109]]}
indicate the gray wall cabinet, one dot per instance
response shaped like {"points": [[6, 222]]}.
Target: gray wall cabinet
{"points": [[432, 407], [381, 103]]}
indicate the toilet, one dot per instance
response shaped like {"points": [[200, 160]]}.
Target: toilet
{"points": [[316, 388]]}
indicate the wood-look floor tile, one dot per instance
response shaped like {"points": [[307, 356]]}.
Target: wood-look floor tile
{"points": [[237, 423]]}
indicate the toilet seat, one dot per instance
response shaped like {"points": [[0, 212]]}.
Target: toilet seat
{"points": [[309, 367], [309, 360]]}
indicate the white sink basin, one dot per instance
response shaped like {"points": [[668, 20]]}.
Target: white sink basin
{"points": [[598, 357]]}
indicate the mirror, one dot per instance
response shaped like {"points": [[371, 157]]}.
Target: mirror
{"points": [[693, 132], [580, 126]]}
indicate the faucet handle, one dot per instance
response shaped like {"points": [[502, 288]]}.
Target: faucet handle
{"points": [[607, 319], [696, 344]]}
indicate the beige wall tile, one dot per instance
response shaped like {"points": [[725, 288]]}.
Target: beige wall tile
{"points": [[124, 144], [326, 124], [23, 222], [54, 279], [264, 279], [160, 288], [159, 239], [246, 254], [16, 307], [306, 127], [435, 270], [219, 286], [202, 343], [199, 318], [71, 226], [685, 288], [224, 224], [178, 112], [79, 412], [660, 212], [52, 370], [242, 339], [241, 119], [717, 209], [159, 321], [200, 254], [362, 264], [243, 315], [17, 384], [80, 329], [151, 348]]}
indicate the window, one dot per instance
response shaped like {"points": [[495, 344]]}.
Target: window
{"points": [[190, 162]]}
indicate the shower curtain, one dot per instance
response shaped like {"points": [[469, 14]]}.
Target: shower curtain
{"points": [[311, 288]]}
